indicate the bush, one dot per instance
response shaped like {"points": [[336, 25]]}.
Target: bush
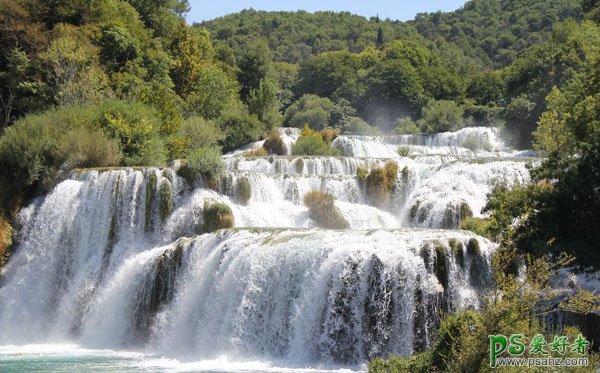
{"points": [[244, 190], [441, 116], [403, 151], [240, 128], [311, 143], [82, 148], [329, 134], [137, 128], [217, 216], [323, 211], [475, 144], [476, 225], [36, 148], [380, 184], [202, 163], [406, 126], [195, 133], [273, 143], [419, 363], [357, 126]]}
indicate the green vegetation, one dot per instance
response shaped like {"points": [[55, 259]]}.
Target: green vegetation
{"points": [[323, 211], [313, 143], [403, 151], [380, 183], [202, 164], [244, 190], [165, 201], [273, 144], [216, 215], [478, 226], [6, 232]]}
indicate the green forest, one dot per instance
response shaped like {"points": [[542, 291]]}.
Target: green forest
{"points": [[108, 83]]}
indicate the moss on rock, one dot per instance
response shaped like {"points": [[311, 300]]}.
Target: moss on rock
{"points": [[165, 193], [150, 194], [6, 232], [440, 264], [299, 165], [244, 190], [473, 247], [217, 215]]}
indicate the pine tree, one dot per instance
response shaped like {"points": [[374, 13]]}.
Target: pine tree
{"points": [[379, 42]]}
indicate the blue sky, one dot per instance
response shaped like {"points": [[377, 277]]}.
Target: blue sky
{"points": [[402, 10]]}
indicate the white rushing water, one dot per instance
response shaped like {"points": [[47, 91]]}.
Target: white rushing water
{"points": [[119, 260]]}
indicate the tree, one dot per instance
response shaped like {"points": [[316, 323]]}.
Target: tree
{"points": [[310, 110], [75, 73], [264, 102], [379, 42], [15, 86], [254, 65]]}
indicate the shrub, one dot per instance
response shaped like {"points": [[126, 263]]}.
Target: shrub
{"points": [[403, 151], [419, 363], [361, 174], [217, 216], [475, 144], [202, 163], [311, 143], [357, 126], [476, 225], [441, 116], [82, 148], [244, 190], [137, 128], [406, 126], [273, 143], [329, 134], [380, 184], [240, 128], [195, 133], [323, 211]]}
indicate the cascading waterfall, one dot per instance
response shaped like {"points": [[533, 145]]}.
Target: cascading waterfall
{"points": [[119, 259]]}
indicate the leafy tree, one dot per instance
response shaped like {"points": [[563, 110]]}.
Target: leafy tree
{"points": [[310, 110], [118, 47], [263, 101], [212, 92], [75, 74], [254, 65], [240, 128], [16, 89]]}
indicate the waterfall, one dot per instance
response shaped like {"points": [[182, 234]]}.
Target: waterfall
{"points": [[119, 259]]}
